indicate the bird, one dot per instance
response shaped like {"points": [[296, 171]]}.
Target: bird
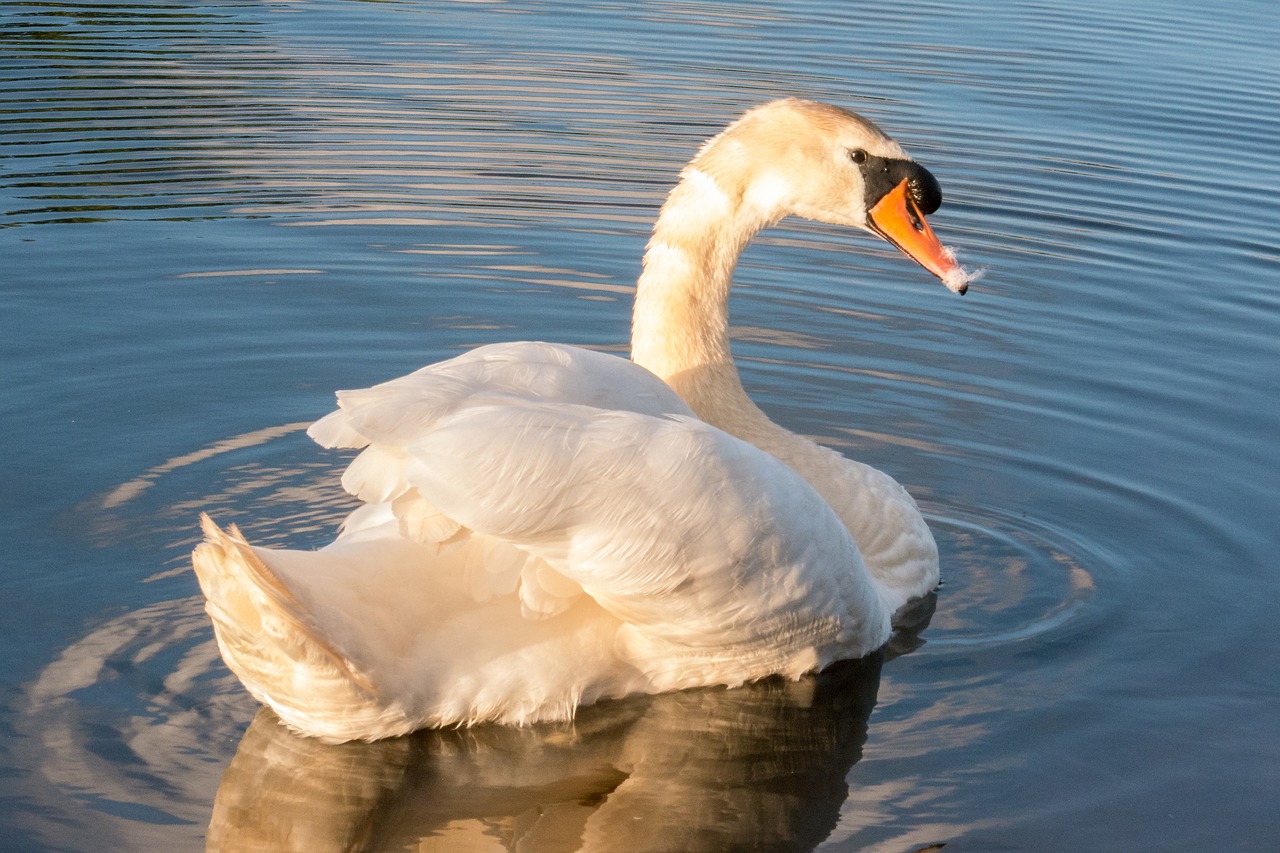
{"points": [[543, 526]]}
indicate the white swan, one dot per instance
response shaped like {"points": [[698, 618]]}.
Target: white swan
{"points": [[545, 526]]}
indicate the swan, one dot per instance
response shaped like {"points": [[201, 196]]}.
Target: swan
{"points": [[544, 526]]}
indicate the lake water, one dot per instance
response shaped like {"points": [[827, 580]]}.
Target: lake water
{"points": [[214, 214]]}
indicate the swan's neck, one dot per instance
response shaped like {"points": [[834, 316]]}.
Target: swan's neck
{"points": [[680, 331], [680, 325]]}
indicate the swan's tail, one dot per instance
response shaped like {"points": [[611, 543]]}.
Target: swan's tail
{"points": [[273, 645]]}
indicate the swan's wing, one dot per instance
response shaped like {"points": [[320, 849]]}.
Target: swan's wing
{"points": [[386, 420], [717, 556]]}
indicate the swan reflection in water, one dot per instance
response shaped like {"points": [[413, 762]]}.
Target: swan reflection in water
{"points": [[758, 767]]}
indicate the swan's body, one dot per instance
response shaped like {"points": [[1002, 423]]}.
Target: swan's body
{"points": [[545, 526]]}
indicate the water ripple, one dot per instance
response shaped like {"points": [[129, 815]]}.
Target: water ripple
{"points": [[1090, 432]]}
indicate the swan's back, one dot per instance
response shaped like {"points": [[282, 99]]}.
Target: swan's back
{"points": [[578, 552]]}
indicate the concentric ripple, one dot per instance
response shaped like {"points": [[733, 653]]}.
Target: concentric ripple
{"points": [[136, 722], [1007, 578]]}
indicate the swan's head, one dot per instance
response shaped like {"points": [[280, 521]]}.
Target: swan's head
{"points": [[828, 164]]}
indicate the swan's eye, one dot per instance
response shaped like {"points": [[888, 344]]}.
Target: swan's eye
{"points": [[858, 156]]}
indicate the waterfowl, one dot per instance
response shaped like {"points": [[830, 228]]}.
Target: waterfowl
{"points": [[544, 526]]}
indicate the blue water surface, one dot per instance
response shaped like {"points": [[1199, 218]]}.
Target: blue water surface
{"points": [[214, 214]]}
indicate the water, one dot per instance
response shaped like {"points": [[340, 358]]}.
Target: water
{"points": [[215, 214]]}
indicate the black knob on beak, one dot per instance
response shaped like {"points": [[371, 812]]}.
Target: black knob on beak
{"points": [[923, 188], [881, 174]]}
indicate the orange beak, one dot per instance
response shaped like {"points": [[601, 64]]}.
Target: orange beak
{"points": [[896, 218]]}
